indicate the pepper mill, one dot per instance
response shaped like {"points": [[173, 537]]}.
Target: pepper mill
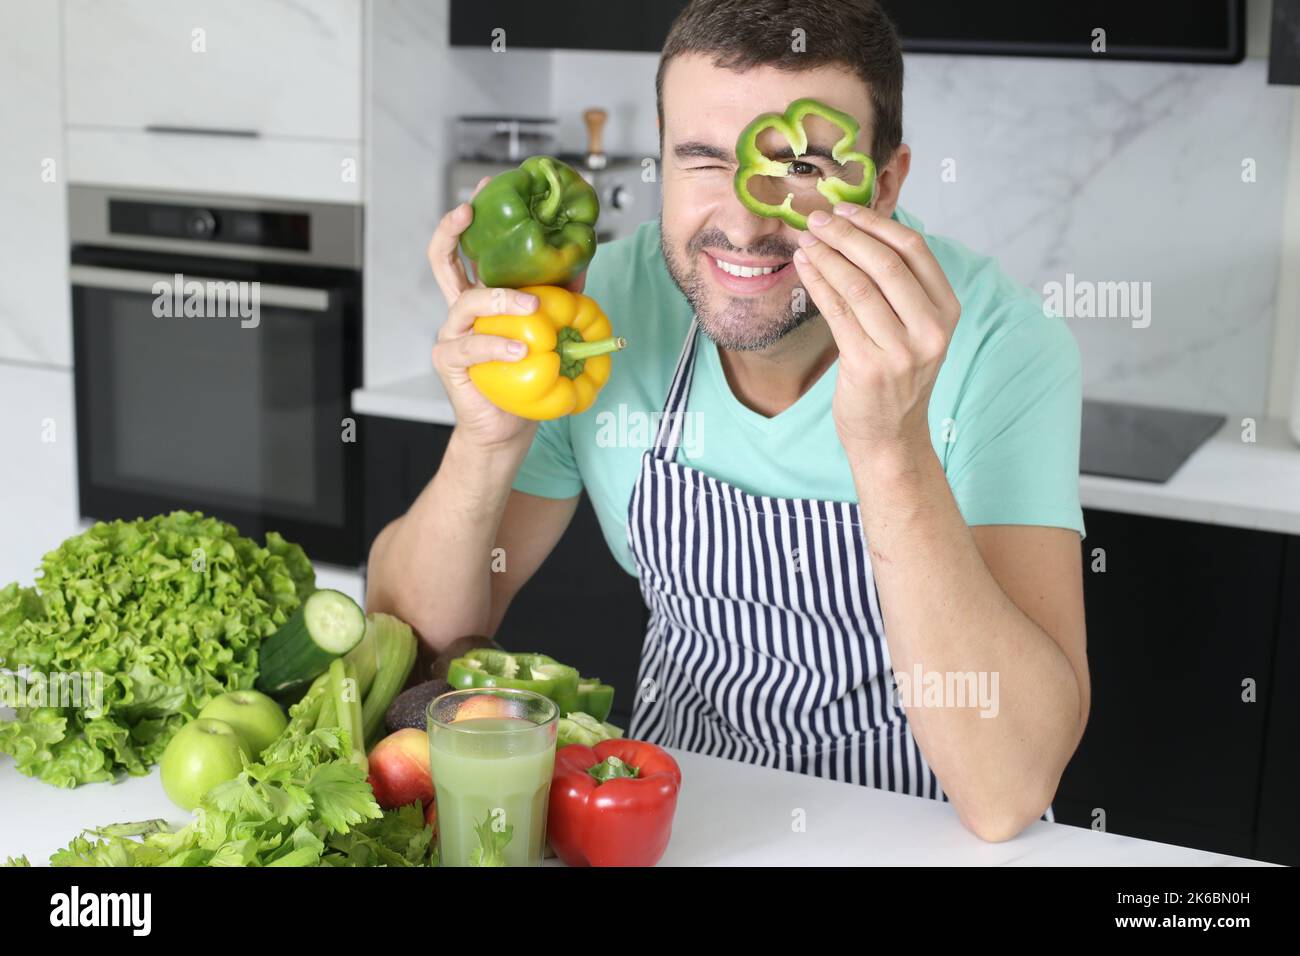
{"points": [[595, 120]]}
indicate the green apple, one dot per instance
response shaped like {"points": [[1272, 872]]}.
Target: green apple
{"points": [[203, 754], [256, 718]]}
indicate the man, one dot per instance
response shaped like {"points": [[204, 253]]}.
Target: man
{"points": [[874, 487]]}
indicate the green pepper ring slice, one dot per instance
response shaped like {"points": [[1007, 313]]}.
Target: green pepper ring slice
{"points": [[752, 162]]}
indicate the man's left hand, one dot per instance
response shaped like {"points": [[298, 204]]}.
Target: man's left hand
{"points": [[892, 313]]}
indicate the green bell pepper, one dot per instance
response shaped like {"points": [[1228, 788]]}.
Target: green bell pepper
{"points": [[538, 673], [534, 225], [752, 162], [595, 698]]}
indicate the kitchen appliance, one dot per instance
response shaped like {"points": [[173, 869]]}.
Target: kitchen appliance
{"points": [[1139, 441], [504, 139], [216, 342]]}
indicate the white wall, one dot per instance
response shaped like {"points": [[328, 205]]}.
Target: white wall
{"points": [[621, 83]]}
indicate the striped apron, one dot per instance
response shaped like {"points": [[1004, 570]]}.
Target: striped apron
{"points": [[766, 642]]}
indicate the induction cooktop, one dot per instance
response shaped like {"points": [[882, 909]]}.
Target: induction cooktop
{"points": [[1140, 442]]}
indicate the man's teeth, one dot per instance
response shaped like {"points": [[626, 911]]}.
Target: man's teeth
{"points": [[746, 272]]}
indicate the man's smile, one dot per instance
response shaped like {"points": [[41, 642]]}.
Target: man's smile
{"points": [[745, 275]]}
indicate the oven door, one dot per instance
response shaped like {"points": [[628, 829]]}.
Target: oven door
{"points": [[234, 402]]}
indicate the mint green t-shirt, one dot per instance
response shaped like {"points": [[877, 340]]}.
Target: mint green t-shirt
{"points": [[1004, 414]]}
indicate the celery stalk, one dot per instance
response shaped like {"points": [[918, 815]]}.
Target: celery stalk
{"points": [[395, 650], [347, 705]]}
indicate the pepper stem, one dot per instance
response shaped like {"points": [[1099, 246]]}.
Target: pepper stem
{"points": [[611, 768], [573, 351], [549, 207]]}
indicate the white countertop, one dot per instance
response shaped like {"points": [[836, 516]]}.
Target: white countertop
{"points": [[728, 814], [1225, 482], [418, 399]]}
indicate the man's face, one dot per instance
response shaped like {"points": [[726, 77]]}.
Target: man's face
{"points": [[707, 235]]}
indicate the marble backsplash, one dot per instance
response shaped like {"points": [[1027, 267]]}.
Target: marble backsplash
{"points": [[1168, 176]]}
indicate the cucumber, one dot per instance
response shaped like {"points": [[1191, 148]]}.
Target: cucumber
{"points": [[325, 627]]}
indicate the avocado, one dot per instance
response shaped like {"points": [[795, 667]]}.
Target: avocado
{"points": [[408, 708]]}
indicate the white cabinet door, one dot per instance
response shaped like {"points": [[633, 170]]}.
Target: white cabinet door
{"points": [[34, 306], [271, 67]]}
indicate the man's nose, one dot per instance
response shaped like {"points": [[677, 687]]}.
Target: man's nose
{"points": [[743, 229]]}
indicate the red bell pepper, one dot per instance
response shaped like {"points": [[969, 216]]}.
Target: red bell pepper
{"points": [[612, 804]]}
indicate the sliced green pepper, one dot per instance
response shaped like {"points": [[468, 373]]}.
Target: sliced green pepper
{"points": [[538, 673], [534, 225], [752, 162], [595, 698]]}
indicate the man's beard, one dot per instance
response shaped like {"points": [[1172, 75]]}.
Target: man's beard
{"points": [[743, 324]]}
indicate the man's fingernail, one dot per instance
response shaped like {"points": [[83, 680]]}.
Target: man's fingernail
{"points": [[807, 239], [525, 301], [819, 218], [801, 256], [517, 348], [846, 209]]}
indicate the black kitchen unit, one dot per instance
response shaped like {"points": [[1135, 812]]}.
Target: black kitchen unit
{"points": [[217, 342], [1194, 732], [1205, 31]]}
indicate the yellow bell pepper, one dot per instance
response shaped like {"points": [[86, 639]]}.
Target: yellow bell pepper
{"points": [[569, 342]]}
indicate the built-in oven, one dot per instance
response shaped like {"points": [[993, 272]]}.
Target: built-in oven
{"points": [[216, 344]]}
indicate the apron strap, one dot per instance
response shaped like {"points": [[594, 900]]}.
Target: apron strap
{"points": [[669, 434]]}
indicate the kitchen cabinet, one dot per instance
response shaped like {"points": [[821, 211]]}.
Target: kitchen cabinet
{"points": [[1183, 614], [35, 324], [585, 25], [1278, 833], [933, 26], [265, 67], [581, 607]]}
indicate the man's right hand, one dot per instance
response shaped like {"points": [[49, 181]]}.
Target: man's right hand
{"points": [[459, 346]]}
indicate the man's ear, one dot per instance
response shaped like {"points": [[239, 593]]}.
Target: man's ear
{"points": [[889, 181]]}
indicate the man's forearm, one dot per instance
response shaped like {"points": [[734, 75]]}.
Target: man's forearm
{"points": [[431, 567], [946, 615]]}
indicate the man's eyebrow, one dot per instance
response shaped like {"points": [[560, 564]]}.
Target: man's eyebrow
{"points": [[787, 154], [699, 150]]}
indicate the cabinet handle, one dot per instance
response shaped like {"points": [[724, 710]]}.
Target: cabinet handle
{"points": [[202, 131], [128, 280]]}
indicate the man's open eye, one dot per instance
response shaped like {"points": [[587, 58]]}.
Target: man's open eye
{"points": [[798, 168]]}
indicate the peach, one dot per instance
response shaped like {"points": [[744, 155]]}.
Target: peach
{"points": [[399, 769], [483, 705]]}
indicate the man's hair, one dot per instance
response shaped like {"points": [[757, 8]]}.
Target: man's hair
{"points": [[854, 34]]}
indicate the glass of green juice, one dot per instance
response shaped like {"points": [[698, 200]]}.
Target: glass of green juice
{"points": [[492, 754]]}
